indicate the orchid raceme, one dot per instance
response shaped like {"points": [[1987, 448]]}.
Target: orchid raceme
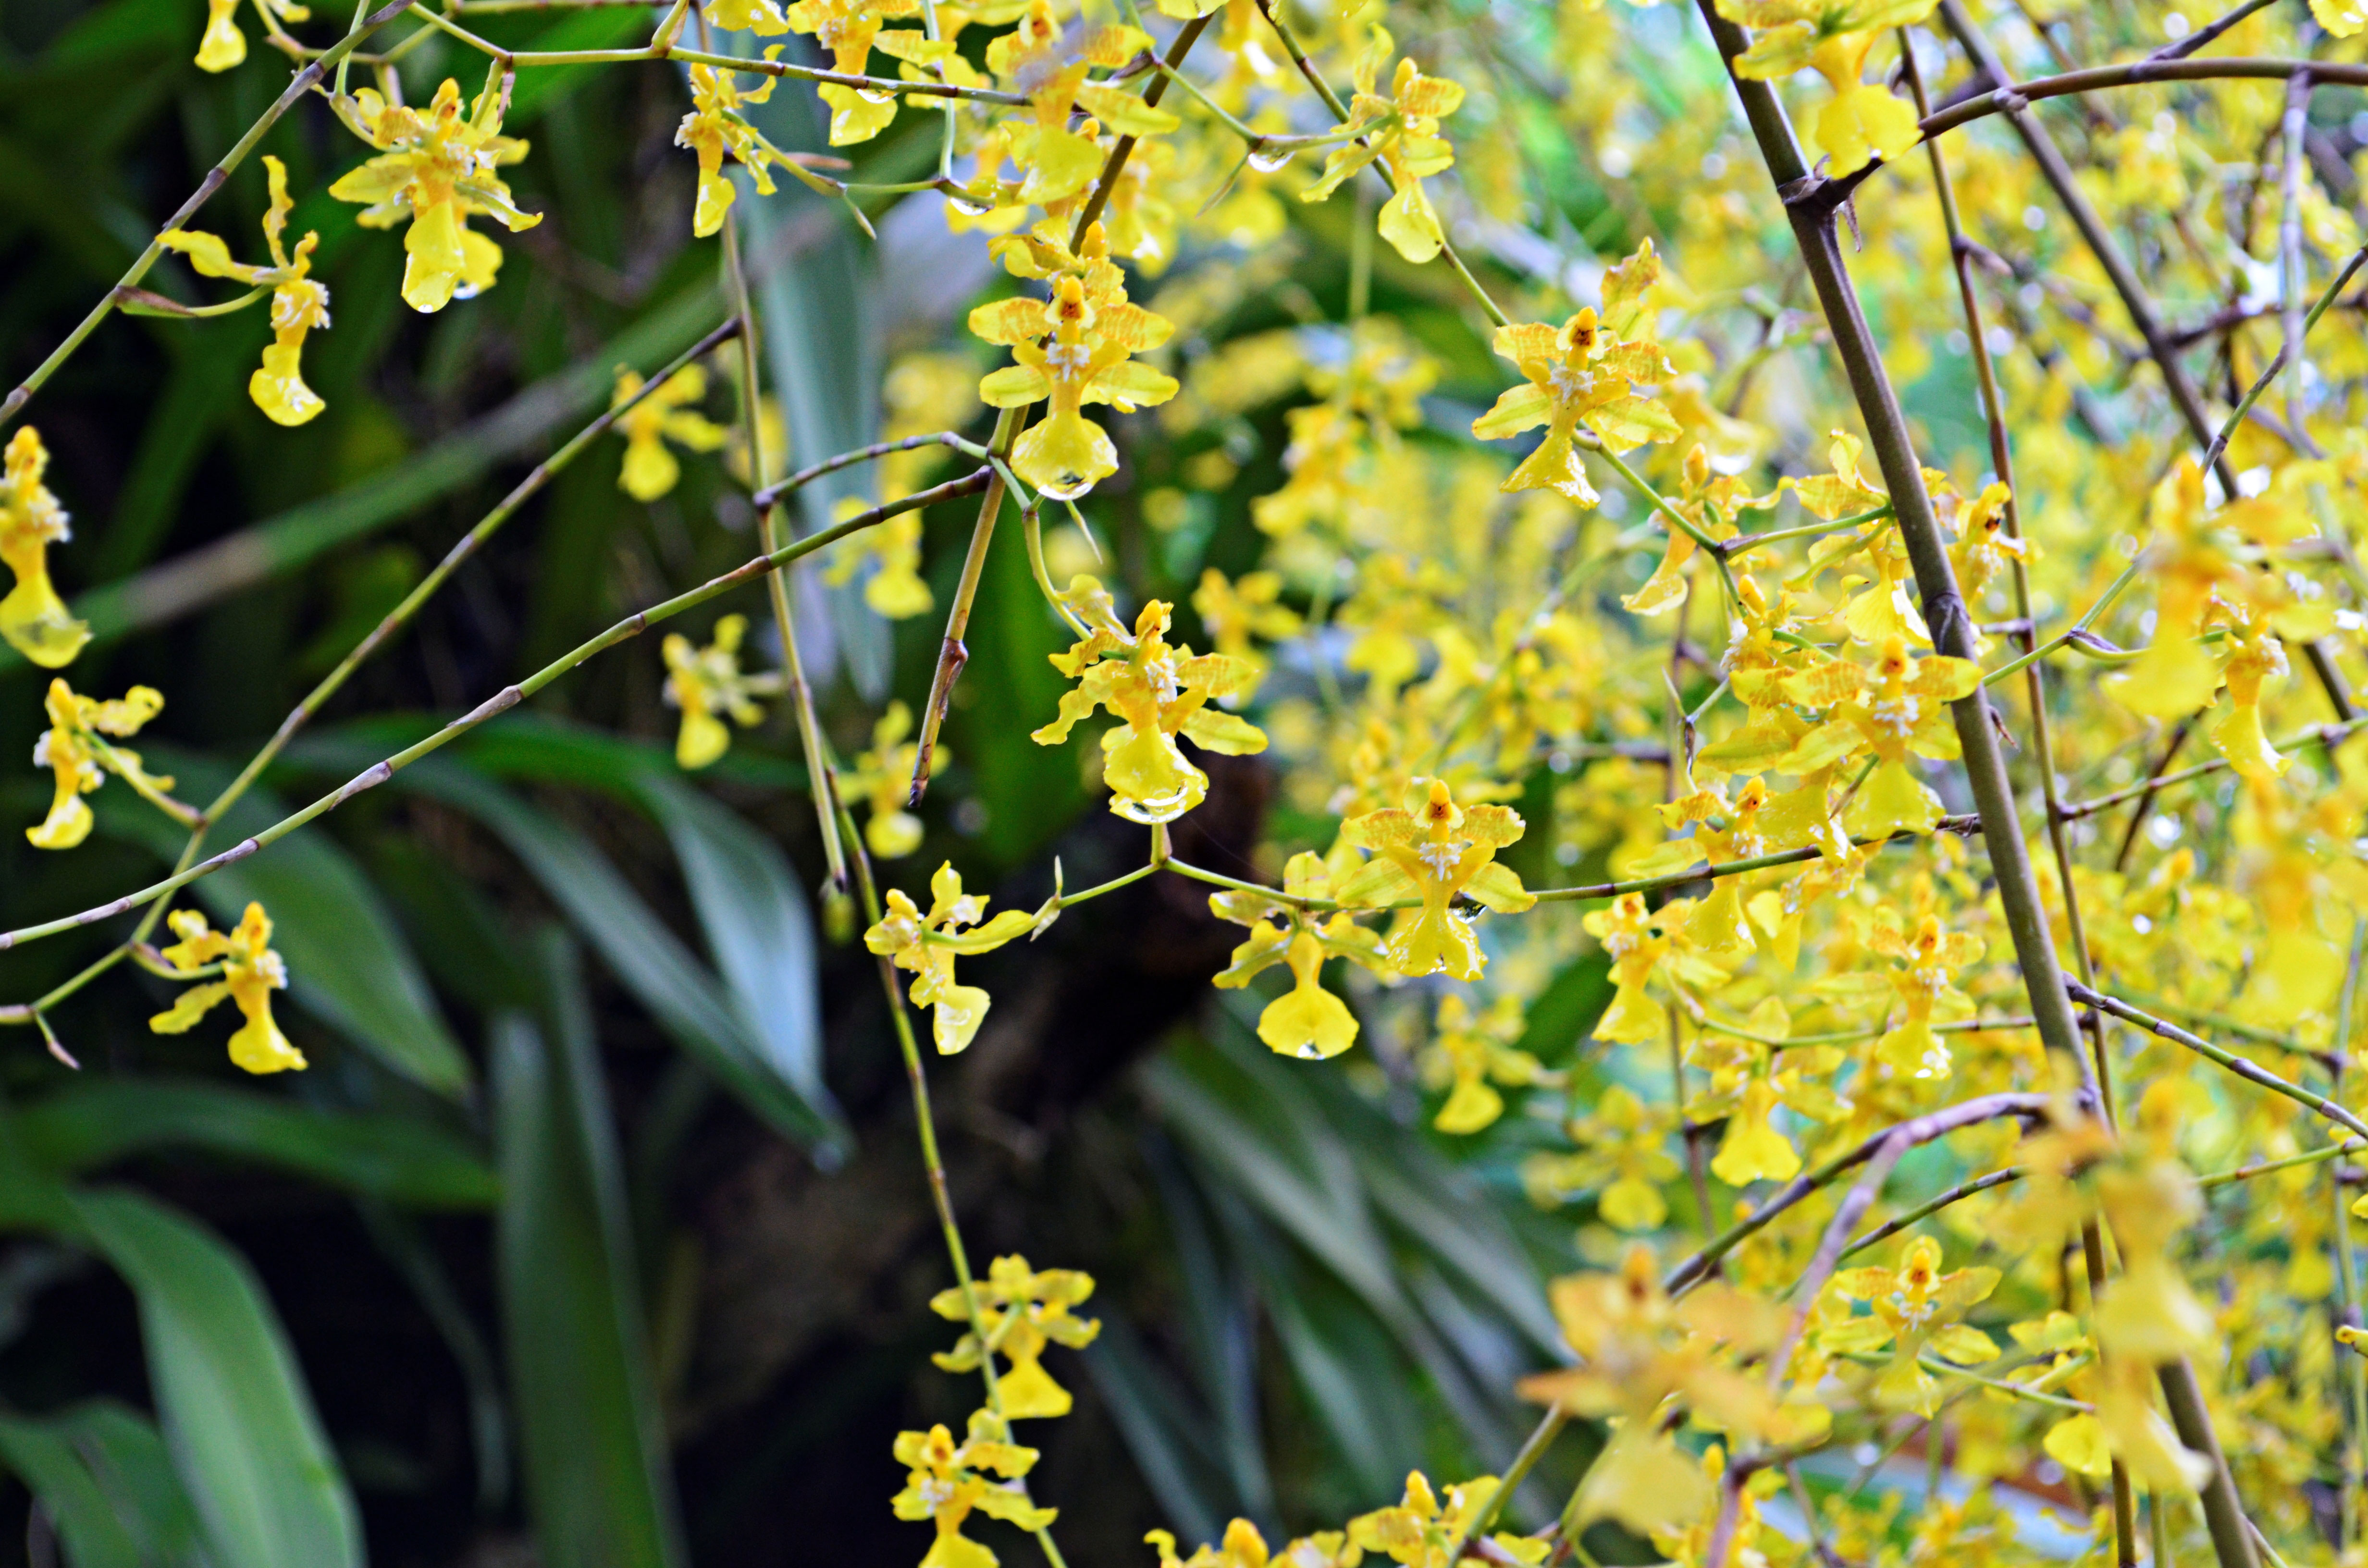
{"points": [[708, 686], [434, 167], [1072, 349], [1156, 690], [250, 972], [78, 749], [297, 302], [1021, 1310], [651, 468], [32, 617], [1790, 690], [1308, 1021], [928, 944]]}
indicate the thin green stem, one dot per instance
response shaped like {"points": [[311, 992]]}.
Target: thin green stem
{"points": [[2251, 1072], [468, 545], [215, 179], [502, 702], [1732, 548]]}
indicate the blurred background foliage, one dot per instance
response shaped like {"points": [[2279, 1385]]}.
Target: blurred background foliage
{"points": [[596, 1233]]}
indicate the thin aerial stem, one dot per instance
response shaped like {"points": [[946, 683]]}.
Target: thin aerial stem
{"points": [[795, 73], [469, 545], [2182, 48], [1731, 547], [2322, 735], [2347, 1279], [215, 179], [1929, 1208], [2292, 131], [2154, 785], [806, 476], [502, 702], [1532, 1448], [2294, 336], [1918, 1131], [2268, 1168], [2251, 1072]]}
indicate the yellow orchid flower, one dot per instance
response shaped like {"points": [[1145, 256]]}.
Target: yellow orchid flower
{"points": [[1861, 122], [1072, 349], [1750, 1079], [1466, 1052], [1417, 1532], [883, 777], [222, 46], [1023, 1310], [650, 468], [1577, 374], [250, 972], [1157, 691], [946, 1482], [1932, 956], [1622, 1163], [850, 31], [298, 303], [705, 682], [1243, 1546], [1913, 1308], [1897, 705], [1401, 134], [75, 748], [1048, 62], [1308, 1021], [33, 618], [1436, 849], [435, 169], [928, 944], [715, 125], [1638, 1349], [2254, 658]]}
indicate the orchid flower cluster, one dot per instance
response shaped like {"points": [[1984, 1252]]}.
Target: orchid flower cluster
{"points": [[1905, 685]]}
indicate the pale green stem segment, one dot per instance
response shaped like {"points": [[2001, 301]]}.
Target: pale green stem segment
{"points": [[1532, 1448], [2245, 1068]]}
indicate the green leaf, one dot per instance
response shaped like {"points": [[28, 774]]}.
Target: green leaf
{"points": [[591, 1436], [348, 962], [236, 1411], [757, 926], [1171, 1443], [679, 991], [398, 1158], [103, 1477]]}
